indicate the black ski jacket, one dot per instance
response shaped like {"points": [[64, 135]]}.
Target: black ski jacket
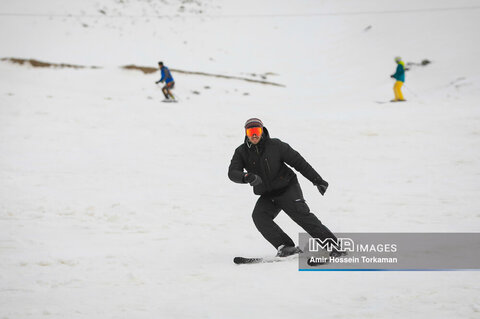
{"points": [[267, 159]]}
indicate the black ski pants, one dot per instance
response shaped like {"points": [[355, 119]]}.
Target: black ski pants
{"points": [[291, 201]]}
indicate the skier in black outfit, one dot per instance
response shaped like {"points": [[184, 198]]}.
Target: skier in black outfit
{"points": [[264, 160]]}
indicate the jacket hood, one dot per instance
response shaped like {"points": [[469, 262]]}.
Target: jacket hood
{"points": [[265, 136]]}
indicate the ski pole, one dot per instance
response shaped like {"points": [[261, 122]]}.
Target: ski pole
{"points": [[410, 90]]}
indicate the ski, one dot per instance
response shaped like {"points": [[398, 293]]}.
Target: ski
{"points": [[391, 101], [315, 262], [262, 260], [320, 260]]}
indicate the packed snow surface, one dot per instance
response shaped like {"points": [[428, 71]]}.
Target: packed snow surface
{"points": [[116, 205]]}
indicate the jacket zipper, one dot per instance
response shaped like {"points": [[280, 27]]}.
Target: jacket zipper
{"points": [[268, 165], [267, 184]]}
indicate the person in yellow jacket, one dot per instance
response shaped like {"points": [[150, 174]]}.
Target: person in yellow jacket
{"points": [[399, 75]]}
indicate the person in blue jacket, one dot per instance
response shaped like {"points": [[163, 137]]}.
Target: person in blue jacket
{"points": [[399, 75], [168, 79]]}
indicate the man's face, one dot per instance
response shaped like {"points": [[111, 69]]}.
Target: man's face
{"points": [[254, 134]]}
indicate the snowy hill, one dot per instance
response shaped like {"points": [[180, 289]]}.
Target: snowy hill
{"points": [[113, 204]]}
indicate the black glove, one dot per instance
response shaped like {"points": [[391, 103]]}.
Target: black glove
{"points": [[322, 186], [156, 82], [252, 179], [392, 76]]}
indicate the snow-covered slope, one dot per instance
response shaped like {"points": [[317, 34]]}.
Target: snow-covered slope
{"points": [[113, 204]]}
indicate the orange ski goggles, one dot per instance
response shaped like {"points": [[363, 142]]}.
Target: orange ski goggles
{"points": [[254, 131]]}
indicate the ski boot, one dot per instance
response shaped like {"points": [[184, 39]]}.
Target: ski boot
{"points": [[285, 251], [337, 253]]}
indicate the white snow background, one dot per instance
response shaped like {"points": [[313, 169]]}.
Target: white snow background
{"points": [[115, 205]]}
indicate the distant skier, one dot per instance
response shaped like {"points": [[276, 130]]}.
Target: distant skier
{"points": [[264, 160], [168, 79], [399, 75]]}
